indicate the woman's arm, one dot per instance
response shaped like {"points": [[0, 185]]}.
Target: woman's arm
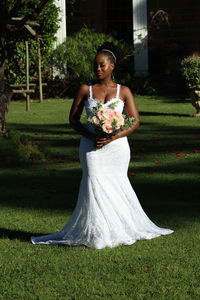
{"points": [[76, 111], [131, 111]]}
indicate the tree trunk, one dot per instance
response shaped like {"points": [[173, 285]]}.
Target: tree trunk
{"points": [[5, 96]]}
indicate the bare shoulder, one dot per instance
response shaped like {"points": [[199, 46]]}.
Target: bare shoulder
{"points": [[83, 88], [125, 92], [82, 91]]}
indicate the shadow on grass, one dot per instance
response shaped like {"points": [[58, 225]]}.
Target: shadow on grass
{"points": [[177, 99], [17, 234], [168, 137], [144, 113], [56, 129], [43, 189], [58, 190], [25, 236]]}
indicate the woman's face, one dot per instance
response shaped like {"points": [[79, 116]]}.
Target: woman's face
{"points": [[103, 67]]}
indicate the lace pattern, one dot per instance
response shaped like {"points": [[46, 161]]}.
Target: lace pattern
{"points": [[108, 212]]}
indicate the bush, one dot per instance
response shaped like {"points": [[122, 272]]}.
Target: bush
{"points": [[190, 69], [142, 86], [16, 50], [16, 149], [74, 58]]}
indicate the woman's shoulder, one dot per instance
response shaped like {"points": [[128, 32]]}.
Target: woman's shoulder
{"points": [[83, 89], [86, 86]]}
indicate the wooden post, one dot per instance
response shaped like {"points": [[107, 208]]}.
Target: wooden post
{"points": [[27, 78], [39, 70]]}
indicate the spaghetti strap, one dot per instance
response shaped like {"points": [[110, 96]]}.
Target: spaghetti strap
{"points": [[118, 91], [90, 91]]}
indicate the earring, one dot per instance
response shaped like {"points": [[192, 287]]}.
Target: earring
{"points": [[113, 76]]}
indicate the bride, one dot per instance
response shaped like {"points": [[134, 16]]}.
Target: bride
{"points": [[107, 213]]}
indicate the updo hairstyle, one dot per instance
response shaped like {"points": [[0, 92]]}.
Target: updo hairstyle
{"points": [[111, 51]]}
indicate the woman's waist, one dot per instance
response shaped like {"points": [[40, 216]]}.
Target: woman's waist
{"points": [[122, 141], [91, 128]]}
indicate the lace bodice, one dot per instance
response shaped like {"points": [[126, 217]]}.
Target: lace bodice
{"points": [[92, 102]]}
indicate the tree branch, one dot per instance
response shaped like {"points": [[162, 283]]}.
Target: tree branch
{"points": [[36, 12]]}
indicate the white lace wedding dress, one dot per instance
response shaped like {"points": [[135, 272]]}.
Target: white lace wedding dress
{"points": [[108, 212]]}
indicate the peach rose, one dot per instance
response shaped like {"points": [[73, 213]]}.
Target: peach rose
{"points": [[106, 116], [100, 113], [107, 129], [95, 120], [120, 121]]}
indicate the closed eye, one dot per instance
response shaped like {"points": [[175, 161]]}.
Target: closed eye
{"points": [[101, 66]]}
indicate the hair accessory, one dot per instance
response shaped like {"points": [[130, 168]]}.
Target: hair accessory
{"points": [[111, 53]]}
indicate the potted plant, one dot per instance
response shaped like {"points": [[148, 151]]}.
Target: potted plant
{"points": [[190, 69]]}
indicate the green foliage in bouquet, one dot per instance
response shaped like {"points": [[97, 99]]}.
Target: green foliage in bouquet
{"points": [[128, 122], [190, 68], [17, 149]]}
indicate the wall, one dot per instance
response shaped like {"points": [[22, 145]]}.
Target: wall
{"points": [[176, 40]]}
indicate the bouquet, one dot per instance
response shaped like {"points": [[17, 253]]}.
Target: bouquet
{"points": [[107, 121]]}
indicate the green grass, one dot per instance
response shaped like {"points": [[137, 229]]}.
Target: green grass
{"points": [[39, 198]]}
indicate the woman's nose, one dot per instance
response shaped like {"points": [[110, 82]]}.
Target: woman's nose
{"points": [[98, 68]]}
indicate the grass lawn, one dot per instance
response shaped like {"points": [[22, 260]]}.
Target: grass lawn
{"points": [[39, 199]]}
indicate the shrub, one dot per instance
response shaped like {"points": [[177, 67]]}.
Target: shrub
{"points": [[190, 69], [143, 86], [17, 149], [74, 57]]}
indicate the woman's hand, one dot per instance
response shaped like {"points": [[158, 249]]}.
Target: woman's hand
{"points": [[102, 141]]}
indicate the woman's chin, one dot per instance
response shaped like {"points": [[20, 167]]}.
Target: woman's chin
{"points": [[99, 77]]}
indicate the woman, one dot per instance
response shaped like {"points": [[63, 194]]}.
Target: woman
{"points": [[108, 212]]}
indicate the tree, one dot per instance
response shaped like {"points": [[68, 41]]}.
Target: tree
{"points": [[15, 29]]}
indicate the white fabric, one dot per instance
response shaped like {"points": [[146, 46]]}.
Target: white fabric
{"points": [[108, 212], [118, 91], [90, 91]]}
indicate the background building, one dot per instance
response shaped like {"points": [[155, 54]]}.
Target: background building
{"points": [[166, 42]]}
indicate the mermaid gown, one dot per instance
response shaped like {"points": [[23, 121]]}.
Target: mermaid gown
{"points": [[107, 213]]}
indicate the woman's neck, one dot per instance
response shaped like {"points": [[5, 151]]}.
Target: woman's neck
{"points": [[106, 81]]}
